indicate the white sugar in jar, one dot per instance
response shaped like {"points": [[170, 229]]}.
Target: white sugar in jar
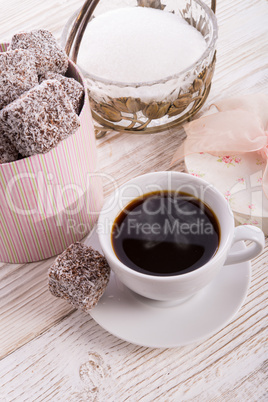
{"points": [[139, 44]]}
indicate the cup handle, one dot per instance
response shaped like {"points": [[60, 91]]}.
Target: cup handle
{"points": [[246, 232]]}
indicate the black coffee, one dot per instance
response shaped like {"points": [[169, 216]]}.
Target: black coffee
{"points": [[165, 233]]}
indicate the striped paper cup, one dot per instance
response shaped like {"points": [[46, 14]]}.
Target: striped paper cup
{"points": [[49, 201]]}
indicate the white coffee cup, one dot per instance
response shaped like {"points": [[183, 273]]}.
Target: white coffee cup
{"points": [[183, 286]]}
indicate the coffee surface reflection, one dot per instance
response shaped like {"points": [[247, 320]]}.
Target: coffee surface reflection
{"points": [[165, 233]]}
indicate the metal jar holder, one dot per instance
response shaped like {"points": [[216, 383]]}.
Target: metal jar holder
{"points": [[132, 114]]}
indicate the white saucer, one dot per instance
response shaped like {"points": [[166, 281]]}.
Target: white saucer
{"points": [[153, 324]]}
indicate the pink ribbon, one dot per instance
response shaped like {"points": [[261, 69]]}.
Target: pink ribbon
{"points": [[241, 126]]}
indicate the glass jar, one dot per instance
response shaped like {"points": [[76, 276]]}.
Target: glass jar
{"points": [[154, 106]]}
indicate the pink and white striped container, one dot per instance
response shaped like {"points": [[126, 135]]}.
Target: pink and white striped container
{"points": [[49, 201]]}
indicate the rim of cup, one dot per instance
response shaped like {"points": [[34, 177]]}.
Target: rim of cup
{"points": [[105, 237]]}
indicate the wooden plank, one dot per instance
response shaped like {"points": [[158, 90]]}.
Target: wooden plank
{"points": [[27, 307], [31, 14], [80, 361]]}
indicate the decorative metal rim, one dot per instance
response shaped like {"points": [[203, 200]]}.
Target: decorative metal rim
{"points": [[107, 115], [101, 131]]}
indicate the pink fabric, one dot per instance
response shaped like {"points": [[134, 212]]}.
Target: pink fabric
{"points": [[241, 126]]}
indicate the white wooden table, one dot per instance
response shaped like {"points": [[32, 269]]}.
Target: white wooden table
{"points": [[49, 351]]}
